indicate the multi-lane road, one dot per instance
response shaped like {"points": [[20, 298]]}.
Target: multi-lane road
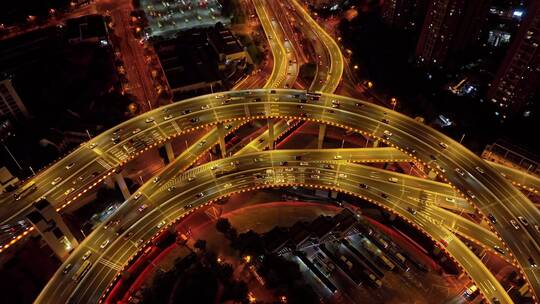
{"points": [[418, 140], [174, 195]]}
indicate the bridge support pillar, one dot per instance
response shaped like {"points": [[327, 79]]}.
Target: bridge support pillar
{"points": [[121, 182], [167, 152], [221, 135], [271, 134], [322, 134], [50, 225]]}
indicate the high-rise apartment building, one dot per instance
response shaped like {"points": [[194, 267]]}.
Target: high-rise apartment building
{"points": [[403, 14], [11, 105], [449, 26], [518, 79]]}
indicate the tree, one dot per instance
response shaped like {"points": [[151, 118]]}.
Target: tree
{"points": [[249, 243], [223, 225], [200, 244]]}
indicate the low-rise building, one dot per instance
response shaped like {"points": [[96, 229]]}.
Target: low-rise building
{"points": [[89, 28]]}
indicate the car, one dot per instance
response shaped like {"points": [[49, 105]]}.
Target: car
{"points": [[532, 262], [523, 220], [328, 166], [194, 120], [315, 176], [170, 116], [56, 180], [149, 120], [139, 242], [69, 166], [386, 121], [137, 195], [337, 157], [202, 142], [450, 199], [537, 227], [142, 207], [492, 219], [303, 163], [459, 171], [161, 224], [171, 188], [228, 185], [384, 195], [469, 192], [186, 111], [514, 224], [342, 175], [283, 163], [155, 179], [363, 186], [68, 191], [387, 134], [188, 206], [433, 157], [92, 145], [411, 210], [87, 255], [115, 139], [128, 235], [479, 169], [205, 107], [444, 242], [393, 179], [499, 249], [191, 178], [199, 195], [104, 244], [214, 167], [218, 96], [443, 145], [67, 268]]}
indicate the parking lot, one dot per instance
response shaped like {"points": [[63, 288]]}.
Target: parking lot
{"points": [[167, 17]]}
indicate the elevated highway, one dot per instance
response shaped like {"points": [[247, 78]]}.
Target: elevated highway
{"points": [[211, 181], [367, 118]]}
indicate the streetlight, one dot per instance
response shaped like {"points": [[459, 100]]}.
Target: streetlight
{"points": [[393, 102]]}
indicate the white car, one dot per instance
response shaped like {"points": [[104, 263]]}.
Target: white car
{"points": [[450, 199], [104, 244], [136, 131], [56, 181], [338, 157], [87, 255], [387, 133], [514, 224], [443, 145], [168, 117], [460, 172], [92, 145], [523, 220], [68, 191], [479, 170], [149, 120], [393, 179], [161, 224], [137, 195]]}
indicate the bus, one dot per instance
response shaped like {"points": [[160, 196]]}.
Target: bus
{"points": [[82, 271], [24, 190]]}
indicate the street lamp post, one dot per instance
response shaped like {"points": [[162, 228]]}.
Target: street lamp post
{"points": [[12, 157]]}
